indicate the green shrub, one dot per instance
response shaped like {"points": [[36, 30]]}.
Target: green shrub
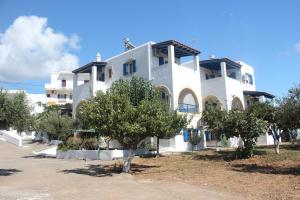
{"points": [[147, 146], [224, 141]]}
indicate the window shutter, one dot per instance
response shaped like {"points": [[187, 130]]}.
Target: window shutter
{"points": [[161, 60], [133, 66], [103, 77], [185, 135], [124, 69]]}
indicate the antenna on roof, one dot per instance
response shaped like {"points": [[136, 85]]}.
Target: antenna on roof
{"points": [[127, 44]]}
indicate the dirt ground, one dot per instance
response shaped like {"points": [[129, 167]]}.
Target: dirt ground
{"points": [[265, 176], [27, 177]]}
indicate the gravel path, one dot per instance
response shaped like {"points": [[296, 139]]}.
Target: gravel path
{"points": [[25, 177]]}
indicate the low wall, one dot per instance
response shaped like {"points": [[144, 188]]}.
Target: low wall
{"points": [[95, 154], [11, 137]]}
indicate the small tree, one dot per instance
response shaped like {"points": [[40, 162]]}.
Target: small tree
{"points": [[18, 112], [213, 117], [268, 113], [244, 125], [160, 121], [56, 125], [288, 112]]}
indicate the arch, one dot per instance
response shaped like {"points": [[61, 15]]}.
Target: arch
{"points": [[237, 104], [212, 100], [165, 94], [187, 101]]}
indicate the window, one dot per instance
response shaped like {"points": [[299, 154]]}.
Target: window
{"points": [[58, 96], [48, 95], [65, 96], [63, 83], [86, 81], [101, 74], [71, 96], [248, 78], [129, 67], [161, 60], [110, 73]]}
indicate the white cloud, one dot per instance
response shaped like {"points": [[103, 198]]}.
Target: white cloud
{"points": [[297, 46], [30, 49]]}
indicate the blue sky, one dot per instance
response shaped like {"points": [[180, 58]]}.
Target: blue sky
{"points": [[264, 34]]}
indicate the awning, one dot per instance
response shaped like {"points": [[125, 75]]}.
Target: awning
{"points": [[258, 94], [216, 63], [88, 67], [181, 50]]}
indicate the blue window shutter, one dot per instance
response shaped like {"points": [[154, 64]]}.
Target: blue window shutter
{"points": [[103, 77], [133, 66], [124, 69], [161, 60], [185, 135]]}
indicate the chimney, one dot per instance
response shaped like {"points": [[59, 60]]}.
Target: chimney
{"points": [[212, 57], [98, 57]]}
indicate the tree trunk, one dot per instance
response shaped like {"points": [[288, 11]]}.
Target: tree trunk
{"points": [[127, 160], [276, 143], [107, 144], [157, 146]]}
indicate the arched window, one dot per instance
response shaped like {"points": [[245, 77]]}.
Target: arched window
{"points": [[187, 101]]}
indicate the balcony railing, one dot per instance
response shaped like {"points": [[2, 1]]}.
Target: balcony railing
{"points": [[187, 108]]}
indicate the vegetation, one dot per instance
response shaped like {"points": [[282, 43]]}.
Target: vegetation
{"points": [[288, 112], [245, 125], [54, 123], [15, 111], [195, 139], [129, 112], [214, 117]]}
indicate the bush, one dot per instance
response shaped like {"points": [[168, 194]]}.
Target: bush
{"points": [[147, 146], [76, 143], [224, 141]]}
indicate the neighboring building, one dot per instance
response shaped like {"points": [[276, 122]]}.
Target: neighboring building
{"points": [[60, 90], [188, 86], [36, 101]]}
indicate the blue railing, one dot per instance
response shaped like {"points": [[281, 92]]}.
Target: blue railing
{"points": [[188, 108]]}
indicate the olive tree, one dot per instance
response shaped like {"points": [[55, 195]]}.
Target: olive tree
{"points": [[54, 123], [270, 115], [17, 112], [246, 126]]}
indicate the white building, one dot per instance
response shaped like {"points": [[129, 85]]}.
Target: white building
{"points": [[36, 101], [60, 90], [187, 86]]}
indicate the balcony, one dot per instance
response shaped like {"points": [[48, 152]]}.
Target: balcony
{"points": [[187, 108]]}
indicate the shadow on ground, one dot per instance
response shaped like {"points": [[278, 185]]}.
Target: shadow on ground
{"points": [[40, 156], [216, 156], [8, 172], [265, 169], [106, 170]]}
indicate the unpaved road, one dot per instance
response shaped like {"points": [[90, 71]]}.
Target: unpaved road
{"points": [[25, 177]]}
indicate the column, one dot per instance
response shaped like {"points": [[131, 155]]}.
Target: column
{"points": [[93, 80], [171, 55], [223, 69], [196, 62], [75, 83]]}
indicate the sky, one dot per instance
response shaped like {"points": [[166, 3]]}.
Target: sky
{"points": [[37, 37]]}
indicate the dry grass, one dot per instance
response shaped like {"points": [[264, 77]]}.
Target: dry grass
{"points": [[264, 176]]}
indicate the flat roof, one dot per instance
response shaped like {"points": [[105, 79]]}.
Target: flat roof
{"points": [[258, 94], [181, 50], [88, 67], [215, 63]]}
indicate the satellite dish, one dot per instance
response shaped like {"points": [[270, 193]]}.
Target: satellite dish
{"points": [[127, 44]]}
